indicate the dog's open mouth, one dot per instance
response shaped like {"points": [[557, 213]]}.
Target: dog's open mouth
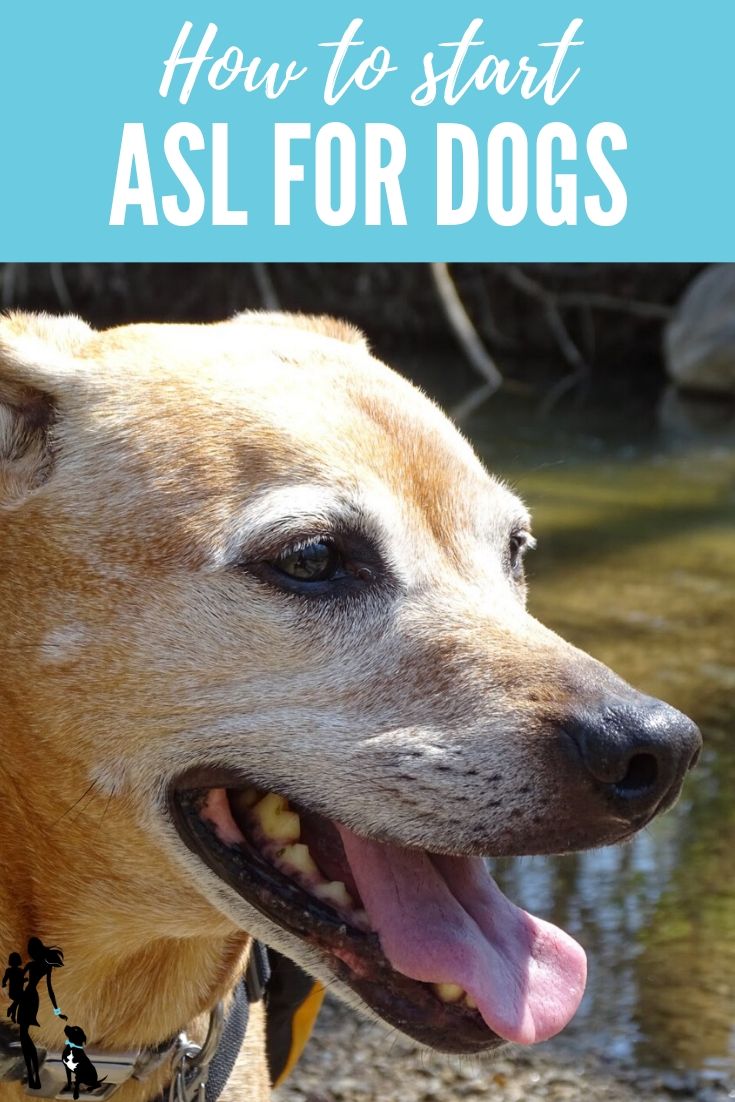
{"points": [[429, 942]]}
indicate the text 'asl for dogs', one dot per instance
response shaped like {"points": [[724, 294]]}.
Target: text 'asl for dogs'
{"points": [[356, 175]]}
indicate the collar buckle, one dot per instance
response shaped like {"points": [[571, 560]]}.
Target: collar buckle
{"points": [[190, 1068]]}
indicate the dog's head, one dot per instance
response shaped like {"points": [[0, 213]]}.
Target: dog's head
{"points": [[76, 1034], [276, 603]]}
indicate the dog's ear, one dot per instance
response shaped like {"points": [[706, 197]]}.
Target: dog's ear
{"points": [[36, 364]]}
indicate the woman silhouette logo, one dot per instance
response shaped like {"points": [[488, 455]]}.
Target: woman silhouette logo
{"points": [[44, 958]]}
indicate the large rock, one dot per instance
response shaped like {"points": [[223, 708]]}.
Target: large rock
{"points": [[699, 340], [701, 419]]}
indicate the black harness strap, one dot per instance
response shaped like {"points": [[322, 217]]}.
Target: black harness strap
{"points": [[249, 990], [233, 1034]]}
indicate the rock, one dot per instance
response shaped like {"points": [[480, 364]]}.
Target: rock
{"points": [[696, 418], [352, 1060], [699, 340]]}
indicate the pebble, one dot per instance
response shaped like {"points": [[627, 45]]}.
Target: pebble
{"points": [[350, 1059]]}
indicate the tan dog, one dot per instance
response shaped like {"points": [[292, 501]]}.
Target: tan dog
{"points": [[246, 558]]}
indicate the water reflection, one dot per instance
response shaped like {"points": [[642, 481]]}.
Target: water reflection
{"points": [[637, 565]]}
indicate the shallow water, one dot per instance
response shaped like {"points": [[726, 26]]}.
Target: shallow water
{"points": [[636, 564]]}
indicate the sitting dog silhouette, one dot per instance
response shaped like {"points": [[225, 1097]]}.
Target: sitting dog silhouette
{"points": [[77, 1063]]}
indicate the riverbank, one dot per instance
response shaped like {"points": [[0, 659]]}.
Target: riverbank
{"points": [[352, 1060]]}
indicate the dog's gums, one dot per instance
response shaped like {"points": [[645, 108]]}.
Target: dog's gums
{"points": [[276, 830], [428, 941]]}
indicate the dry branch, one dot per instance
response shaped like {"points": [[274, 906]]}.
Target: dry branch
{"points": [[463, 328]]}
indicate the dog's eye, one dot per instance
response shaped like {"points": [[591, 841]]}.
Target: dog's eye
{"points": [[318, 561], [318, 566], [520, 542]]}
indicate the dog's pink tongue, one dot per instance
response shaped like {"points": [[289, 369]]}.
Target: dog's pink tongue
{"points": [[445, 920]]}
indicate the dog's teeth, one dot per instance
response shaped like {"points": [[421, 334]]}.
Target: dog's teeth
{"points": [[448, 992], [242, 799], [361, 921], [470, 1002], [276, 821], [248, 797], [336, 893], [297, 859]]}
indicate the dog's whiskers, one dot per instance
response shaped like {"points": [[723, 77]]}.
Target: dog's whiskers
{"points": [[105, 809], [75, 804]]}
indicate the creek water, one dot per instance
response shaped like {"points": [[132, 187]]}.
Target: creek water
{"points": [[634, 511]]}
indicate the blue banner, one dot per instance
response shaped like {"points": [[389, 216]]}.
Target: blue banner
{"points": [[536, 130]]}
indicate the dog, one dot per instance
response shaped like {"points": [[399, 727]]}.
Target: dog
{"points": [[267, 663], [78, 1065]]}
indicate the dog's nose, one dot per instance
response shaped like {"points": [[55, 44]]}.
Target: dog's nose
{"points": [[637, 751]]}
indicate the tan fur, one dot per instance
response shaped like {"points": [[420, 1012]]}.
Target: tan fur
{"points": [[136, 466]]}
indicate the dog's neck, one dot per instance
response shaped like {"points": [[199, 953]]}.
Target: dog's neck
{"points": [[144, 954]]}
